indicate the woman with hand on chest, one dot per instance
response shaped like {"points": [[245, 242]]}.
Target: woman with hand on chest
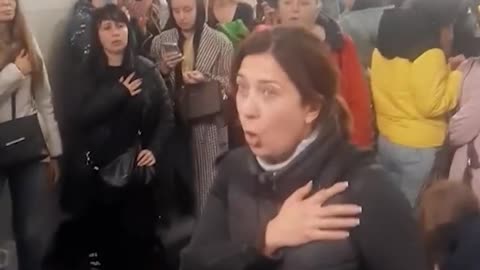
{"points": [[119, 107], [280, 203], [25, 94]]}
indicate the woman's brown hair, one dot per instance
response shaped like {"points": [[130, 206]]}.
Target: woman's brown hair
{"points": [[20, 33], [442, 206], [306, 61]]}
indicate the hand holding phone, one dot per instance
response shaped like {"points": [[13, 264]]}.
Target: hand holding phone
{"points": [[170, 58], [170, 48]]}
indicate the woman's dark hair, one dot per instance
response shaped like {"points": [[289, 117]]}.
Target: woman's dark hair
{"points": [[364, 4], [442, 207], [200, 20], [410, 31], [98, 59], [306, 61]]}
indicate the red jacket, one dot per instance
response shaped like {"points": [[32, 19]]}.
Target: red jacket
{"points": [[353, 89]]}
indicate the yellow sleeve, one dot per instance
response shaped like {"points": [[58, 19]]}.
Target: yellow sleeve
{"points": [[435, 86]]}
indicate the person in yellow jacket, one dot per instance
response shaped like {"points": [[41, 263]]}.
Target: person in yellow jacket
{"points": [[414, 87]]}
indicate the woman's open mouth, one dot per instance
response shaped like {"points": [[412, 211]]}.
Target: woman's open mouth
{"points": [[252, 138]]}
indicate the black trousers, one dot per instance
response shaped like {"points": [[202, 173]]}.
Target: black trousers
{"points": [[113, 234]]}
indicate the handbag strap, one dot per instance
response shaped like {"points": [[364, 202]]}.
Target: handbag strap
{"points": [[472, 155], [14, 106]]}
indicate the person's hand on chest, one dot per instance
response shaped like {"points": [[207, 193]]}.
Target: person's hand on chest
{"points": [[303, 219], [131, 84]]}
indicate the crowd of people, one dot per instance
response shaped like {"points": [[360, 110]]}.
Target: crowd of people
{"points": [[202, 135]]}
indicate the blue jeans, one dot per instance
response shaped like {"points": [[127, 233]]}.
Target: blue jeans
{"points": [[408, 167], [35, 211]]}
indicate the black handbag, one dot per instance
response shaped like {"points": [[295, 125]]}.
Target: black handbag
{"points": [[200, 100], [123, 170], [21, 140]]}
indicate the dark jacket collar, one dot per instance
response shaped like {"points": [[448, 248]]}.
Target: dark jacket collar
{"points": [[320, 162]]}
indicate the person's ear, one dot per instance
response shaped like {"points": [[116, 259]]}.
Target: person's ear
{"points": [[319, 7], [313, 112]]}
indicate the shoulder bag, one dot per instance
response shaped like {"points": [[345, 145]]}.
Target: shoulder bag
{"points": [[21, 139], [200, 100]]}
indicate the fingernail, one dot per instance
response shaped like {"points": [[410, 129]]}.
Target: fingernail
{"points": [[359, 209], [345, 184]]}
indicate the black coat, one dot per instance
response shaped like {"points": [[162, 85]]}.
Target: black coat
{"points": [[93, 107], [244, 198]]}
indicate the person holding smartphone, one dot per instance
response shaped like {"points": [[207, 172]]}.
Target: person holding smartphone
{"points": [[203, 55]]}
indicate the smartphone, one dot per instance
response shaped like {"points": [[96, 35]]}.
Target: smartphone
{"points": [[170, 47]]}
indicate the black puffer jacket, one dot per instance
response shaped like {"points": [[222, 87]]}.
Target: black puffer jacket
{"points": [[103, 118], [231, 231]]}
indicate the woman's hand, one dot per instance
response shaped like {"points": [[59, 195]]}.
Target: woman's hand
{"points": [[53, 171], [23, 63], [193, 77], [133, 86], [456, 61], [302, 220], [146, 159], [169, 61]]}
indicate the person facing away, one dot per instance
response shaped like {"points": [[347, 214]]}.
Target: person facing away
{"points": [[414, 87], [361, 22], [119, 102], [353, 87], [203, 55], [450, 222], [25, 91], [272, 207]]}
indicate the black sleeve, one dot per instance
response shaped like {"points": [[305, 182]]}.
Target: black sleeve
{"points": [[99, 104], [388, 236], [164, 109], [211, 247], [245, 13]]}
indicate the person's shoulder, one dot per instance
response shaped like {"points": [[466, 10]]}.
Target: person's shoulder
{"points": [[168, 35], [231, 166], [233, 159], [144, 63], [367, 173], [217, 36]]}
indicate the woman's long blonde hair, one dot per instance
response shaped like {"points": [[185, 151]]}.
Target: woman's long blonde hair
{"points": [[21, 33]]}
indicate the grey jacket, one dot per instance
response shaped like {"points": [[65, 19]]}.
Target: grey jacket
{"points": [[30, 101]]}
